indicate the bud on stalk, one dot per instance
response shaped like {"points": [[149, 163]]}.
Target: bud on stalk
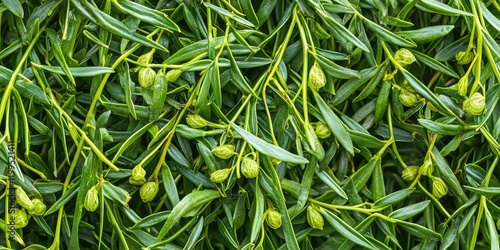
{"points": [[220, 175], [410, 173], [23, 199], [225, 151], [475, 104], [273, 218], [138, 176], [38, 207], [92, 199], [314, 218], [249, 167]]}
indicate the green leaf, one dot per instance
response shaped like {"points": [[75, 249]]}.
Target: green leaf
{"points": [[267, 148], [434, 64], [189, 203], [345, 230], [77, 71], [334, 123], [151, 220], [440, 128], [146, 14], [228, 14], [392, 198], [385, 35], [419, 231], [15, 7], [410, 211], [427, 34], [441, 8]]}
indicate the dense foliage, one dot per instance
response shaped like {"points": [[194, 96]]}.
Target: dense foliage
{"points": [[238, 124]]}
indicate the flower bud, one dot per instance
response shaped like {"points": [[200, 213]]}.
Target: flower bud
{"points": [[314, 218], [439, 188], [146, 77], [92, 199], [404, 57], [148, 191], [408, 98], [475, 104], [146, 58], [249, 167], [38, 207], [173, 75], [322, 131], [462, 85], [410, 173], [317, 78], [23, 199], [138, 176], [273, 218], [427, 167], [21, 218], [196, 121], [224, 151], [464, 57], [220, 175]]}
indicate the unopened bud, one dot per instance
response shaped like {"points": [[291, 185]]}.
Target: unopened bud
{"points": [[439, 188], [273, 219], [196, 121], [464, 57], [475, 104], [146, 77], [21, 218], [427, 168], [38, 207], [138, 176], [225, 151], [404, 57], [462, 85], [220, 175], [148, 191], [320, 32], [410, 173], [322, 131], [408, 98], [92, 199], [146, 58], [317, 78], [173, 75], [314, 218], [249, 167], [23, 199]]}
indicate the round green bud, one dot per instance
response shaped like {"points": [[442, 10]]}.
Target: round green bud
{"points": [[314, 218], [404, 57], [173, 75], [38, 207], [225, 151], [317, 78], [464, 57], [196, 121], [475, 104], [427, 167], [138, 176], [91, 202], [21, 218], [410, 173], [148, 191], [439, 188], [146, 58], [23, 199], [249, 167], [273, 218], [322, 131], [462, 86], [220, 175], [408, 98], [146, 77]]}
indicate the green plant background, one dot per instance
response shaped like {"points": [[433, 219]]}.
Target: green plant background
{"points": [[355, 124]]}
